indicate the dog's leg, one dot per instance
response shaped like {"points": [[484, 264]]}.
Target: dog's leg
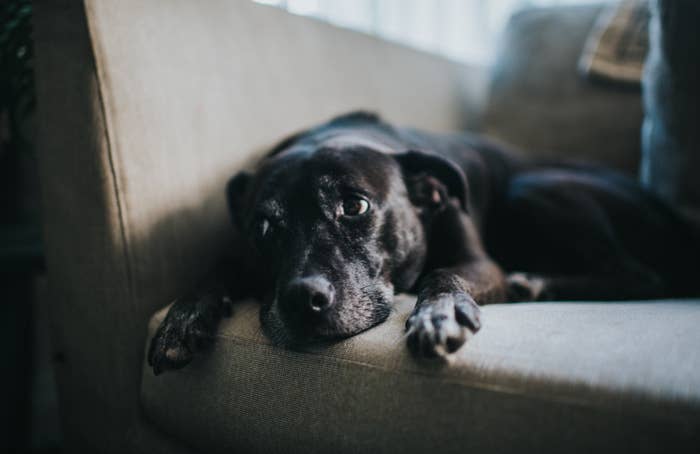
{"points": [[192, 320], [462, 275]]}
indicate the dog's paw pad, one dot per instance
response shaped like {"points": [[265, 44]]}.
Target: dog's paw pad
{"points": [[441, 326]]}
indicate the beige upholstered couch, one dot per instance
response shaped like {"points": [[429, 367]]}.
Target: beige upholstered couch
{"points": [[145, 108]]}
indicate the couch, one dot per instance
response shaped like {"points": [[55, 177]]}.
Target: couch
{"points": [[146, 107]]}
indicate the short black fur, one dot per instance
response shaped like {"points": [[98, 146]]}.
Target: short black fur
{"points": [[338, 218]]}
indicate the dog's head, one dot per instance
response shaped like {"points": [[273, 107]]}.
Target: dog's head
{"points": [[338, 217]]}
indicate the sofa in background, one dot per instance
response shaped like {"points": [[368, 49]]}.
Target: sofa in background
{"points": [[541, 102], [146, 107]]}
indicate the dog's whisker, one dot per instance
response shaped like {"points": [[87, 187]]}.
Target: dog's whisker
{"points": [[411, 329]]}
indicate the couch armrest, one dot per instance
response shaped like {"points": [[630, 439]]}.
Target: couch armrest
{"points": [[146, 108]]}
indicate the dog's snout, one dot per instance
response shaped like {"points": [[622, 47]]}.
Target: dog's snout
{"points": [[314, 294]]}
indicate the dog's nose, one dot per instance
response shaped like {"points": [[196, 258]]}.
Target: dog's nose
{"points": [[313, 293]]}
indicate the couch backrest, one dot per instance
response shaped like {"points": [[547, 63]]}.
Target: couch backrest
{"points": [[146, 107]]}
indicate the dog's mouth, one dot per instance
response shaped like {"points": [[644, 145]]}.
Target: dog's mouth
{"points": [[293, 330]]}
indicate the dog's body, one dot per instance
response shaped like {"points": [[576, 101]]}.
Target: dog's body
{"points": [[339, 218]]}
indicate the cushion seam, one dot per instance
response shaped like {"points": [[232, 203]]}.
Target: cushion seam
{"points": [[109, 140]]}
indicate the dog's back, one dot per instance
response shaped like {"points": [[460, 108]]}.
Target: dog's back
{"points": [[569, 217]]}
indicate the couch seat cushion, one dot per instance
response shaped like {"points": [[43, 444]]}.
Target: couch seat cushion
{"points": [[550, 377]]}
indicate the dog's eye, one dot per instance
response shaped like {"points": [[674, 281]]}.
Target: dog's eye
{"points": [[354, 206]]}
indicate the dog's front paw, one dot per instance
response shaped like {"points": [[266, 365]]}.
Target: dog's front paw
{"points": [[441, 325], [187, 329]]}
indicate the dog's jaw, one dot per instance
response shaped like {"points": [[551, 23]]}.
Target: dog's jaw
{"points": [[359, 314]]}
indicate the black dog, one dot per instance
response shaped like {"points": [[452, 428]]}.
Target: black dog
{"points": [[339, 218]]}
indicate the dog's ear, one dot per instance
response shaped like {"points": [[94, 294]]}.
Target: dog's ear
{"points": [[357, 117], [431, 179], [236, 192], [285, 143]]}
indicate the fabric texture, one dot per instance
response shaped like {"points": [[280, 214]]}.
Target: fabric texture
{"points": [[550, 377], [617, 46], [542, 104], [671, 137], [145, 110]]}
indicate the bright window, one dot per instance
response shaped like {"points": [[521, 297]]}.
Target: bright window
{"points": [[463, 30]]}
